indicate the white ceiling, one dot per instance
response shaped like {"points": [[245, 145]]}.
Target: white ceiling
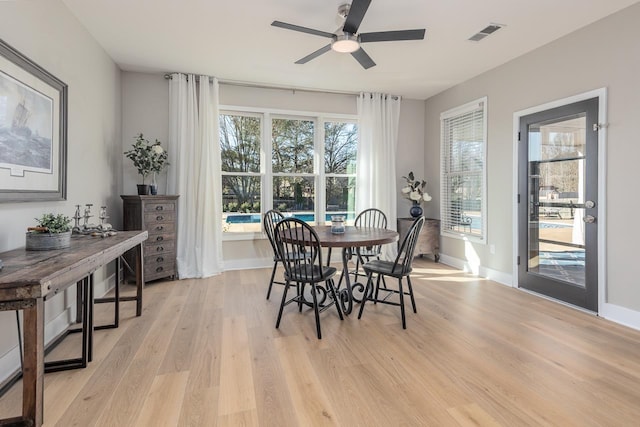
{"points": [[234, 40]]}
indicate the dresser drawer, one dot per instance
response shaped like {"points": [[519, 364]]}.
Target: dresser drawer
{"points": [[165, 246], [154, 270], [151, 218], [158, 258], [161, 228], [160, 206]]}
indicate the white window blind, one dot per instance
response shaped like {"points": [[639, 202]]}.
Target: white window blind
{"points": [[463, 161]]}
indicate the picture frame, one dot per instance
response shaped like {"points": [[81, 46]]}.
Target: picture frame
{"points": [[33, 130]]}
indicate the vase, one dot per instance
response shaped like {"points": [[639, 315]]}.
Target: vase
{"points": [[153, 187], [143, 189], [416, 210]]}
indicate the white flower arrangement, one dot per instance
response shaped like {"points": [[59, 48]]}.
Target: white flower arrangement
{"points": [[147, 157], [415, 190]]}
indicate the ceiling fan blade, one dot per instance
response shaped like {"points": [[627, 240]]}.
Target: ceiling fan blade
{"points": [[364, 59], [315, 54], [302, 29], [388, 36], [356, 14]]}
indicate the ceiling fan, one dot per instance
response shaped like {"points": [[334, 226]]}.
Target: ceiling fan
{"points": [[347, 39]]}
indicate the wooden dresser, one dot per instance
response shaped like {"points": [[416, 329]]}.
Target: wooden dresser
{"points": [[429, 239], [159, 216]]}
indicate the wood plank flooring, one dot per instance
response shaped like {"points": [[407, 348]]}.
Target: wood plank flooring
{"points": [[206, 353]]}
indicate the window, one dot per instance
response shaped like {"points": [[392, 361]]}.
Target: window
{"points": [[292, 157], [463, 162], [240, 145], [287, 171], [340, 147]]}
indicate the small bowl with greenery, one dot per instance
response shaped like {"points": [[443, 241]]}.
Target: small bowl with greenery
{"points": [[52, 232]]}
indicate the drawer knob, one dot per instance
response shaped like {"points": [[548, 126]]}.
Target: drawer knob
{"points": [[159, 269], [159, 259], [159, 249], [159, 208], [159, 239], [159, 218], [160, 228]]}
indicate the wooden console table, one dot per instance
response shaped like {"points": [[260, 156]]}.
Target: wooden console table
{"points": [[28, 277], [429, 238]]}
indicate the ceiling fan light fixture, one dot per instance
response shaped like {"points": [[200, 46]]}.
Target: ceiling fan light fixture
{"points": [[345, 43]]}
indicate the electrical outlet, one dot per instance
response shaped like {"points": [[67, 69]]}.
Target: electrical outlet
{"points": [[492, 249]]}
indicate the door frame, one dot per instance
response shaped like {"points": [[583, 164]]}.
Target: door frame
{"points": [[601, 94]]}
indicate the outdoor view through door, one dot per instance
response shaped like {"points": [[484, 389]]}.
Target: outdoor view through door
{"points": [[558, 164]]}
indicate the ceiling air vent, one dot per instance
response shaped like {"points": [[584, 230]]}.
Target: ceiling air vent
{"points": [[490, 29]]}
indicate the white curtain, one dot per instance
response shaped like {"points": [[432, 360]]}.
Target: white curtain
{"points": [[194, 173], [378, 116]]}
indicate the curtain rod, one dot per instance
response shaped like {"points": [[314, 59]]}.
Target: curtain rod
{"points": [[262, 86]]}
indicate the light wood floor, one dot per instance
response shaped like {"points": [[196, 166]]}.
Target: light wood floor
{"points": [[205, 352]]}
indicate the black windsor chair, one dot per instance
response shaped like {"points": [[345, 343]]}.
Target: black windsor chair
{"points": [[298, 247], [399, 269]]}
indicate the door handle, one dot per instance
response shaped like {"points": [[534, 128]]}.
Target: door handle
{"points": [[589, 219]]}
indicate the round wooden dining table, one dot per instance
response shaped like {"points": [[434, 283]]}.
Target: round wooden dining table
{"points": [[353, 237]]}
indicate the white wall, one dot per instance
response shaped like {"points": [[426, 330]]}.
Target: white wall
{"points": [[146, 98], [604, 54], [410, 154], [48, 34], [145, 106]]}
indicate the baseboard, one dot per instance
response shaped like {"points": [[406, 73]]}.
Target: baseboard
{"points": [[487, 273], [247, 263], [621, 315], [9, 363]]}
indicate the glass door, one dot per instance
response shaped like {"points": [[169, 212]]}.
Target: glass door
{"points": [[558, 164]]}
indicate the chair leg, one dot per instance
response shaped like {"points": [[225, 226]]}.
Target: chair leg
{"points": [[273, 275], [368, 289], [300, 288], [384, 283], [404, 321], [375, 300], [413, 300], [284, 299], [315, 309]]}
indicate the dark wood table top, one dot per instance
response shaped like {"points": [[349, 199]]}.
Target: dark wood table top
{"points": [[35, 274], [354, 236]]}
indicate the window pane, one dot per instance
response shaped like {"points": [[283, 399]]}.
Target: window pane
{"points": [[340, 146], [341, 196], [241, 203], [294, 194], [240, 143], [463, 159], [292, 146], [240, 194], [465, 204], [466, 156]]}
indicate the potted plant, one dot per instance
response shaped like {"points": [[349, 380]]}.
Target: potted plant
{"points": [[52, 232], [147, 158], [415, 191]]}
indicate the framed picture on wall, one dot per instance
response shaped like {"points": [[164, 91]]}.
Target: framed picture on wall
{"points": [[33, 130]]}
